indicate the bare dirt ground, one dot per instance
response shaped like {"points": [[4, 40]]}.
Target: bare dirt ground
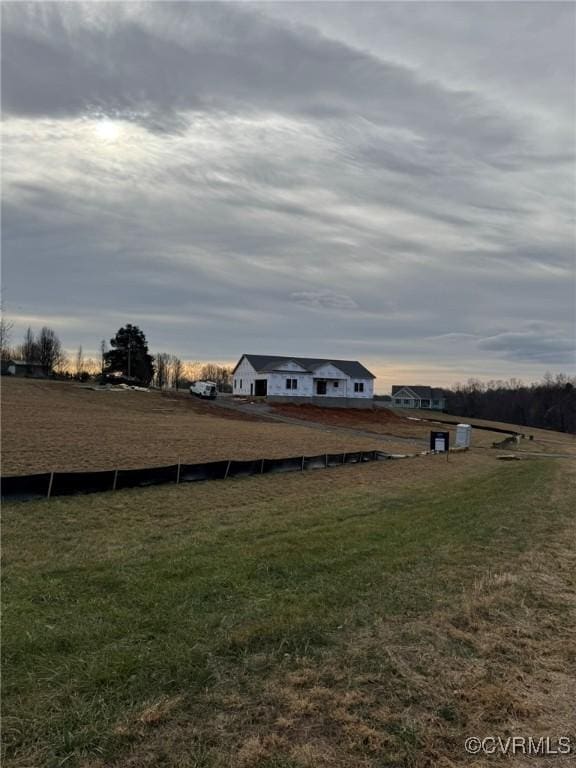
{"points": [[543, 440], [403, 425], [48, 425]]}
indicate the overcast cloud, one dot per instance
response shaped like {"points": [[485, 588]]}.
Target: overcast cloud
{"points": [[393, 182]]}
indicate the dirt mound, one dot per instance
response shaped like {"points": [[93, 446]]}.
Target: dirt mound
{"points": [[339, 417]]}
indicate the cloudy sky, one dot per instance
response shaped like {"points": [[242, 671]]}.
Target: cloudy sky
{"points": [[392, 182]]}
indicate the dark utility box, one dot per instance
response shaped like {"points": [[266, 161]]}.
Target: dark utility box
{"points": [[439, 441]]}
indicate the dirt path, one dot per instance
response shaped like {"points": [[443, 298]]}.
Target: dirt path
{"points": [[267, 412]]}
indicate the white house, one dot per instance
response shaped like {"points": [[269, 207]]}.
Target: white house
{"points": [[303, 379], [418, 397]]}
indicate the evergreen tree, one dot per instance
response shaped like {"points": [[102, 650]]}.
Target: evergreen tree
{"points": [[129, 355]]}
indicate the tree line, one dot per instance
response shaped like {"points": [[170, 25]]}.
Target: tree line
{"points": [[550, 403], [125, 358]]}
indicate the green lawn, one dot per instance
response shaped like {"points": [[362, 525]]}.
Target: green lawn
{"points": [[110, 603]]}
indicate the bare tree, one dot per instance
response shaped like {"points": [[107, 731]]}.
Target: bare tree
{"points": [[91, 366], [192, 370], [550, 403], [79, 362], [29, 349], [162, 370], [176, 371], [103, 350], [50, 353], [5, 333], [220, 374], [210, 372], [62, 364]]}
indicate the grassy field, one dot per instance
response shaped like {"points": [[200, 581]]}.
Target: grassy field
{"points": [[361, 616]]}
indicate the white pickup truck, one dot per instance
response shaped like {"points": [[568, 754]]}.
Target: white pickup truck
{"points": [[204, 389]]}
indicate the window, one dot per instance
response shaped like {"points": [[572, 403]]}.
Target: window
{"points": [[358, 386], [234, 383], [336, 384], [291, 383], [406, 402], [240, 383]]}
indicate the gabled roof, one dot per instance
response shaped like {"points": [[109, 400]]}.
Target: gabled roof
{"points": [[25, 363], [425, 393], [267, 363]]}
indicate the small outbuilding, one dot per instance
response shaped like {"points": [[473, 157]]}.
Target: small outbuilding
{"points": [[22, 368]]}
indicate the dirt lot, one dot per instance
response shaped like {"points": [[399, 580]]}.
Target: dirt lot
{"points": [[56, 426], [59, 426], [406, 424]]}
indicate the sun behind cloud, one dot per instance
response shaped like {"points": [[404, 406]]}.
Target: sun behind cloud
{"points": [[107, 130]]}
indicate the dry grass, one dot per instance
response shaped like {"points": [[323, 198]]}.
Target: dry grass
{"points": [[62, 426], [396, 423], [363, 616], [360, 617], [501, 660], [544, 440]]}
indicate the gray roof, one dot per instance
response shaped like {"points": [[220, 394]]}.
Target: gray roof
{"points": [[426, 393], [265, 363], [25, 363]]}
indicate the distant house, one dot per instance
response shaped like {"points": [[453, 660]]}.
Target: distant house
{"points": [[404, 396], [304, 379], [22, 368]]}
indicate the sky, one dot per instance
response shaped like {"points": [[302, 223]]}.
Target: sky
{"points": [[392, 182]]}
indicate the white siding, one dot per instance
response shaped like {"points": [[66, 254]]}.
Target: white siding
{"points": [[340, 388], [277, 384], [289, 365], [368, 388], [329, 371], [243, 377], [338, 384]]}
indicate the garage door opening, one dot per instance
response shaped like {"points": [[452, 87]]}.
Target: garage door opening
{"points": [[261, 387]]}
